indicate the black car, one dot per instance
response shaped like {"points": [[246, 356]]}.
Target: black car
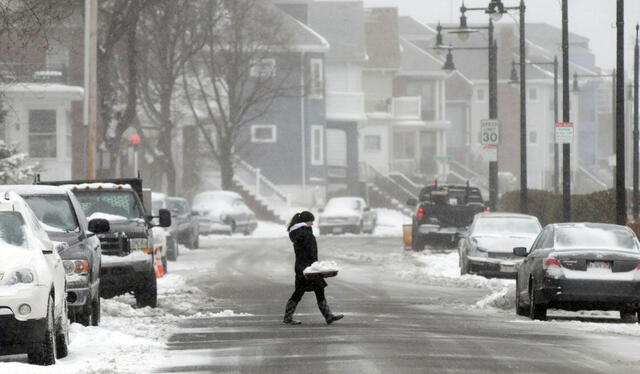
{"points": [[580, 266], [185, 221], [62, 217], [488, 248]]}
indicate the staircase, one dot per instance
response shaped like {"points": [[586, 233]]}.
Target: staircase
{"points": [[587, 182], [384, 192]]}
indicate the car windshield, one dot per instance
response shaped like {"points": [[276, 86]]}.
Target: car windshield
{"points": [[488, 226], [593, 237], [343, 204], [54, 211], [115, 203], [12, 229]]}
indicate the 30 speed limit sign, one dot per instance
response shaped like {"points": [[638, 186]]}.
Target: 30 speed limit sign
{"points": [[490, 132]]}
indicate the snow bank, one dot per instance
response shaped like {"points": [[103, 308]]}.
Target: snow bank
{"points": [[390, 222], [265, 230], [108, 217], [321, 267]]}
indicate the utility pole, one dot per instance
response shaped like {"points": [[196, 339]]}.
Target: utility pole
{"points": [[524, 206], [636, 151], [566, 111], [556, 155], [90, 83], [493, 114], [621, 192]]}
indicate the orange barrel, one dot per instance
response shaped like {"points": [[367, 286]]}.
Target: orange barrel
{"points": [[407, 237]]}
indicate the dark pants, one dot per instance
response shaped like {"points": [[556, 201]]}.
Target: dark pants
{"points": [[297, 295]]}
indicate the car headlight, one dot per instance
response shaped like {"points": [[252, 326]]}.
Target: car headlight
{"points": [[139, 244], [25, 276], [80, 267]]}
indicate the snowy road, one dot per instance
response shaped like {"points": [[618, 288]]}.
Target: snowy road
{"points": [[401, 316]]}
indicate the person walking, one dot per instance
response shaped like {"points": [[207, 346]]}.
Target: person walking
{"points": [[306, 249]]}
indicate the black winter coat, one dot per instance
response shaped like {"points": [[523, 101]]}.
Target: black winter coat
{"points": [[306, 248]]}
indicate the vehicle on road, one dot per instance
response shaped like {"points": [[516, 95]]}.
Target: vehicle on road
{"points": [[127, 249], [223, 212], [442, 214], [33, 308], [580, 266], [347, 214], [165, 236], [185, 221], [488, 248], [64, 221]]}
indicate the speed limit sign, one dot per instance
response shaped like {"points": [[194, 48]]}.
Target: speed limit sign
{"points": [[490, 132]]}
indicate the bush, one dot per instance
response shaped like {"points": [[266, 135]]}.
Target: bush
{"points": [[542, 204]]}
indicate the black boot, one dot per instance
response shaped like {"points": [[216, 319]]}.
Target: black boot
{"points": [[288, 313], [326, 313]]}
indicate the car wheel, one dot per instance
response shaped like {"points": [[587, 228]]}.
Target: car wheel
{"points": [[537, 310], [196, 242], [172, 251], [45, 352], [358, 230], [147, 295], [521, 310], [417, 243], [95, 312], [85, 316], [62, 335], [464, 266], [233, 228], [628, 316]]}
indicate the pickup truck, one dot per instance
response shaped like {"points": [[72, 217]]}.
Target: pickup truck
{"points": [[442, 214], [127, 248]]}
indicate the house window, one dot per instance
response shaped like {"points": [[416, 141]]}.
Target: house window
{"points": [[533, 94], [481, 95], [533, 137], [404, 145], [264, 68], [57, 55], [263, 134], [372, 143], [317, 145], [42, 133], [316, 85]]}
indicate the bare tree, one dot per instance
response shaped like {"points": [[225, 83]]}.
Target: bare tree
{"points": [[235, 80], [169, 38]]}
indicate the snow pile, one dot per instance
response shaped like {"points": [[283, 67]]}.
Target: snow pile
{"points": [[504, 299], [389, 222], [108, 217], [321, 267]]}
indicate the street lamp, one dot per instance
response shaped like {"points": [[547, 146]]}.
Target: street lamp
{"points": [[636, 133], [449, 66], [495, 10]]}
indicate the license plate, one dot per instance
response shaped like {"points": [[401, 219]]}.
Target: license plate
{"points": [[599, 265], [337, 230], [507, 268]]}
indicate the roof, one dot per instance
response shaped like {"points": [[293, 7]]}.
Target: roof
{"points": [[342, 24], [73, 93], [416, 61], [29, 189], [382, 38], [414, 30]]}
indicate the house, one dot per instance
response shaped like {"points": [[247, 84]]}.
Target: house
{"points": [[42, 95]]}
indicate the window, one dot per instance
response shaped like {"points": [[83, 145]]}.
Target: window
{"points": [[481, 95], [263, 134], [372, 143], [316, 85], [57, 55], [317, 145], [42, 133], [54, 211], [404, 145], [533, 137], [533, 94], [264, 68]]}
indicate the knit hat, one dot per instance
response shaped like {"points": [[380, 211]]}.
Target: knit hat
{"points": [[306, 216]]}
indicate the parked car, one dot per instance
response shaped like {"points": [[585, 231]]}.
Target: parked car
{"points": [[185, 221], [488, 248], [580, 266], [165, 236], [62, 217], [442, 214], [223, 212], [33, 309], [127, 249], [346, 214]]}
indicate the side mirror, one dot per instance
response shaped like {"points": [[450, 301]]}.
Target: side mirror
{"points": [[520, 251], [164, 218], [99, 225], [412, 202]]}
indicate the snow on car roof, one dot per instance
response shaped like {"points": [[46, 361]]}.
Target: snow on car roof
{"points": [[29, 189], [97, 186]]}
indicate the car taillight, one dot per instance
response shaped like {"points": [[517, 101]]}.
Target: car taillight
{"points": [[551, 263], [420, 214]]}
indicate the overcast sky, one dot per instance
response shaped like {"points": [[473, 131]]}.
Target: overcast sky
{"points": [[594, 19]]}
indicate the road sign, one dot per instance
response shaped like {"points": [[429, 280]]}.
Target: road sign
{"points": [[443, 158], [564, 132], [490, 132], [490, 153]]}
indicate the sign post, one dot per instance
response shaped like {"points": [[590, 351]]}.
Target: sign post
{"points": [[490, 132]]}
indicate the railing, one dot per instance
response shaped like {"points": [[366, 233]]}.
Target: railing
{"points": [[345, 104], [593, 178], [377, 105], [385, 183], [253, 179], [406, 166], [404, 181], [407, 107], [468, 174], [32, 73]]}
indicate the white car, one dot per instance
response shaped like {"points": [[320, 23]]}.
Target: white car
{"points": [[33, 309], [223, 212], [347, 214]]}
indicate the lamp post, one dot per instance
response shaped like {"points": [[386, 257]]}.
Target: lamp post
{"points": [[515, 79], [566, 114], [463, 34], [636, 156], [621, 189], [496, 9]]}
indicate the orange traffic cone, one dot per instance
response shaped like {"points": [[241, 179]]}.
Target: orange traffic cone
{"points": [[158, 260]]}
